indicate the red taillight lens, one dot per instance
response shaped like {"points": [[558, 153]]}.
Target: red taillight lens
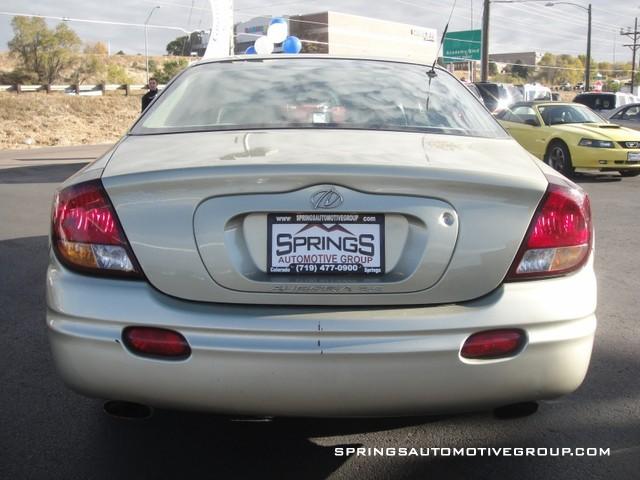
{"points": [[560, 235], [493, 344], [156, 342], [86, 234]]}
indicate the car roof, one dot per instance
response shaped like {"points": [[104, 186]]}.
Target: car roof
{"points": [[280, 56], [603, 93]]}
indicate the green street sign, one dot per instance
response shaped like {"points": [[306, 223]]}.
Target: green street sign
{"points": [[462, 46]]}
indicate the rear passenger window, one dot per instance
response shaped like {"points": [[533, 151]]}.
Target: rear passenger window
{"points": [[521, 114], [631, 113]]}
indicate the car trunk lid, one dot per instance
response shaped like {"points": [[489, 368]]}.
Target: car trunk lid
{"points": [[196, 209]]}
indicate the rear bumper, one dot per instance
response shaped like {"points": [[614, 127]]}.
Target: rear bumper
{"points": [[320, 361]]}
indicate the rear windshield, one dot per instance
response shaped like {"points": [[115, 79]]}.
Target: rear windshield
{"points": [[317, 93], [600, 101]]}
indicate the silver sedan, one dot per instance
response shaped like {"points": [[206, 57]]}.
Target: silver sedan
{"points": [[627, 116], [320, 236]]}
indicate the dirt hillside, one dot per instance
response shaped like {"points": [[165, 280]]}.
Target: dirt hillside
{"points": [[38, 120], [130, 68]]}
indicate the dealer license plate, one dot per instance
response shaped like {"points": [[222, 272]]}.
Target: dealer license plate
{"points": [[633, 157], [325, 243]]}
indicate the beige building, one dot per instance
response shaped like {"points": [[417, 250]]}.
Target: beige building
{"points": [[351, 35], [524, 58]]}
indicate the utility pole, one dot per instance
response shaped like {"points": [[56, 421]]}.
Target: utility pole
{"points": [[146, 51], [635, 36], [484, 66], [587, 81]]}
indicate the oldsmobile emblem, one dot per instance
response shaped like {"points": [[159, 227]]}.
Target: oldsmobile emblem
{"points": [[326, 199]]}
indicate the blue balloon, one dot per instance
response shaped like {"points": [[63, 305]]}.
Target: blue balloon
{"points": [[291, 45], [250, 51], [277, 20]]}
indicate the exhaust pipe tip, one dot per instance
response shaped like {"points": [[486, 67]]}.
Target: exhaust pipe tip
{"points": [[516, 410], [127, 410]]}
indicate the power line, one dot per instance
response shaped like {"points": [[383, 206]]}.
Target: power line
{"points": [[103, 22], [503, 26], [635, 36], [550, 16], [554, 67]]}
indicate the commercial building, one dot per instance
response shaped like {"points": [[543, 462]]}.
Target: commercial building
{"points": [[337, 33], [523, 58]]}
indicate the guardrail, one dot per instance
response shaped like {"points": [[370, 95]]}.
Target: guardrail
{"points": [[99, 89]]}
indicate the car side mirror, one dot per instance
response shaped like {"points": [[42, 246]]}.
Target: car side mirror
{"points": [[532, 122]]}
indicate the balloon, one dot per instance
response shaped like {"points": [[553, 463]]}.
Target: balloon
{"points": [[263, 46], [292, 45], [278, 30], [250, 51]]}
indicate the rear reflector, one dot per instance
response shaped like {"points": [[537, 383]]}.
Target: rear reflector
{"points": [[156, 342], [86, 234], [559, 238], [493, 344]]}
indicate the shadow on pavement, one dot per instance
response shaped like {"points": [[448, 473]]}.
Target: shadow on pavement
{"points": [[596, 178], [39, 173]]}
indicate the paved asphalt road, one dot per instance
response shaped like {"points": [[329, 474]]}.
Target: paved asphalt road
{"points": [[47, 431]]}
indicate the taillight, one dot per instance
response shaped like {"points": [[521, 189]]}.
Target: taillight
{"points": [[86, 234], [156, 342], [560, 236]]}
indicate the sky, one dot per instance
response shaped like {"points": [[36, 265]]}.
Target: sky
{"points": [[515, 26]]}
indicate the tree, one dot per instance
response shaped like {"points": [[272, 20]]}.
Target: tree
{"points": [[87, 67], [117, 74], [98, 48], [119, 52], [170, 69], [179, 46], [42, 51], [520, 70]]}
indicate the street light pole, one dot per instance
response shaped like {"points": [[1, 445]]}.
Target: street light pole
{"points": [[146, 51], [485, 35], [484, 66], [587, 80], [587, 73]]}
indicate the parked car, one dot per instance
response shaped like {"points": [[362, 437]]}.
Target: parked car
{"points": [[627, 116], [566, 86], [605, 101], [338, 237], [534, 91], [498, 96], [579, 86], [569, 136]]}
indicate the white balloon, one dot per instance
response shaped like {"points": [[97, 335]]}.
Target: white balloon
{"points": [[263, 46], [277, 32]]}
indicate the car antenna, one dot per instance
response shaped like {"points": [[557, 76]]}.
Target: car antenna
{"points": [[431, 73]]}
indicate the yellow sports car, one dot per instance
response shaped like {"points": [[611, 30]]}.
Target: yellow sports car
{"points": [[567, 136]]}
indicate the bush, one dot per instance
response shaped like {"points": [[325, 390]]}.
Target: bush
{"points": [[18, 76], [117, 74], [98, 48], [87, 67], [169, 70]]}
